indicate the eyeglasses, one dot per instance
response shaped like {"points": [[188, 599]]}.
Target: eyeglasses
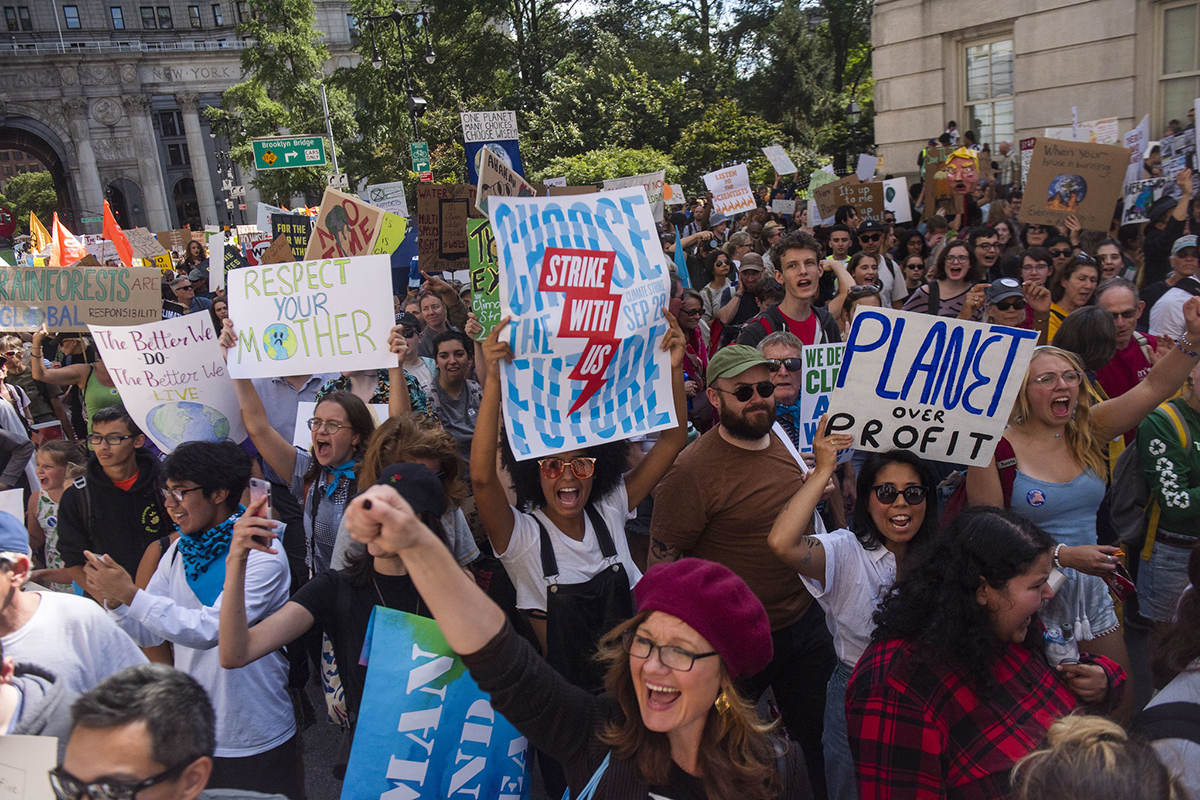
{"points": [[695, 312], [1129, 313], [957, 259], [67, 787], [886, 493], [408, 333], [1061, 253], [988, 245], [744, 393], [552, 468], [1017, 303], [675, 658], [112, 439], [1036, 267], [870, 237], [176, 494], [11, 353], [790, 364], [1071, 377], [327, 425], [915, 265]]}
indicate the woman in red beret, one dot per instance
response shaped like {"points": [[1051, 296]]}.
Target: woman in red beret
{"points": [[671, 721]]}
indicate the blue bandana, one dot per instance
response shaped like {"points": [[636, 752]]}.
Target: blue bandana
{"points": [[793, 410], [336, 474], [201, 553]]}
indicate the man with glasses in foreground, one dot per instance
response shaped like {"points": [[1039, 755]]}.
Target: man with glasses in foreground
{"points": [[718, 502], [114, 509], [257, 745], [146, 733]]}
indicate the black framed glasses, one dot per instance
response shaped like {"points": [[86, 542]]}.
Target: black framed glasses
{"points": [[67, 787], [886, 493], [744, 393], [112, 439], [1017, 303], [694, 312], [553, 468], [988, 245], [675, 658], [176, 494], [790, 364]]}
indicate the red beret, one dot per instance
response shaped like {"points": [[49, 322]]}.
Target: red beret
{"points": [[717, 603]]}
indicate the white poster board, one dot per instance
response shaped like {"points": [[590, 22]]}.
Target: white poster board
{"points": [[388, 196], [302, 436], [781, 206], [25, 762], [895, 198], [866, 167], [489, 126], [780, 160], [652, 182], [730, 189], [820, 373]]}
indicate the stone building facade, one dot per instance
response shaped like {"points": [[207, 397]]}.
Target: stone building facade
{"points": [[108, 95]]}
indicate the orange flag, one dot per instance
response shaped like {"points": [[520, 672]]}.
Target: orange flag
{"points": [[113, 232], [37, 231], [65, 249]]}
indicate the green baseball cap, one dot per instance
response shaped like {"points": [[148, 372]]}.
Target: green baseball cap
{"points": [[733, 360]]}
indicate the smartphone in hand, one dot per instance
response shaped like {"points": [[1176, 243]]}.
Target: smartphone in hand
{"points": [[259, 489]]}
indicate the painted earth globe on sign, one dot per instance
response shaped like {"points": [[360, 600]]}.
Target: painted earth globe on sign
{"points": [[182, 421], [279, 341]]}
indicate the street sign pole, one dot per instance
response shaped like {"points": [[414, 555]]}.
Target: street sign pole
{"points": [[329, 129]]}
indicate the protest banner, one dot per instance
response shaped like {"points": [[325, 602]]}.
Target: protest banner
{"points": [[730, 189], [508, 151], [866, 167], [940, 387], [391, 234], [177, 239], [389, 197], [264, 214], [254, 244], [654, 183], [1139, 196], [71, 298], [144, 244], [425, 731], [302, 436], [298, 318], [173, 381], [938, 193], [1026, 147], [297, 228], [233, 260], [780, 160], [556, 181], [1074, 178], [24, 763], [866, 198], [819, 376], [782, 206], [818, 179], [1096, 131], [488, 126], [442, 214], [673, 195], [497, 180], [278, 252], [485, 275], [564, 191], [585, 284], [100, 249], [345, 227], [896, 200]]}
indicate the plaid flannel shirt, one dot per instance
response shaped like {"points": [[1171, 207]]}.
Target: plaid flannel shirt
{"points": [[921, 730]]}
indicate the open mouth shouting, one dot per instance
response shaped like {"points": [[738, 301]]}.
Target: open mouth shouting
{"points": [[660, 697], [1060, 407]]}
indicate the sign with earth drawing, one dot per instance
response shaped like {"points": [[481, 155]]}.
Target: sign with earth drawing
{"points": [[298, 318], [172, 379]]}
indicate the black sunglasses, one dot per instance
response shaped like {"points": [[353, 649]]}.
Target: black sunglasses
{"points": [[870, 237], [67, 787], [1060, 253], [887, 494], [1005, 305], [744, 393], [790, 364]]}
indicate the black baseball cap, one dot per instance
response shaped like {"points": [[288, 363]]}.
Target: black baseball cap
{"points": [[417, 484], [871, 225]]}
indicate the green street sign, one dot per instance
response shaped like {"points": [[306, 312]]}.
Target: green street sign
{"points": [[420, 156], [86, 220], [286, 152]]}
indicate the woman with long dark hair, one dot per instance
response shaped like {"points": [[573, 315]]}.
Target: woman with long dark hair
{"points": [[956, 686]]}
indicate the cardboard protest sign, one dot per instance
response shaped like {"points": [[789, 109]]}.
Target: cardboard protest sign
{"points": [[781, 206], [585, 284], [389, 197], [497, 180], [938, 193], [177, 239], [508, 151], [1139, 196], [425, 730], [820, 371], [298, 318], [172, 379], [563, 191], [780, 160], [344, 227], [264, 214], [233, 260], [254, 244], [730, 189], [942, 388], [278, 252], [1096, 131], [867, 198], [71, 298], [391, 234], [442, 214], [654, 183], [144, 244], [302, 436], [895, 199], [297, 228], [485, 275], [1074, 178]]}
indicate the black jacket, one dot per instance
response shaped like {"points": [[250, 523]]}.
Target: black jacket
{"points": [[121, 524], [772, 320]]}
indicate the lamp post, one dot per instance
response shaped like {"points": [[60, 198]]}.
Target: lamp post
{"points": [[416, 104], [853, 113]]}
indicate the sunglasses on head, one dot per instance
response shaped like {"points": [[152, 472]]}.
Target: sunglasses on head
{"points": [[886, 493], [744, 393], [553, 468], [1017, 303]]}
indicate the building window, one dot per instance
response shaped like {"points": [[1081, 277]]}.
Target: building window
{"points": [[172, 123], [194, 16], [26, 20], [177, 154], [8, 171], [18, 155], [118, 18], [243, 12], [989, 100], [352, 26], [71, 17], [218, 20], [10, 18], [164, 17], [148, 18], [1179, 78]]}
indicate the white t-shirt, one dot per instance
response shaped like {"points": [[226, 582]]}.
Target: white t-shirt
{"points": [[856, 579], [578, 562], [894, 287], [1166, 315], [73, 638]]}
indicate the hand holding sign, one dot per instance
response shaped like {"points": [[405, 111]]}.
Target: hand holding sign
{"points": [[397, 343], [495, 350], [674, 341], [827, 445]]}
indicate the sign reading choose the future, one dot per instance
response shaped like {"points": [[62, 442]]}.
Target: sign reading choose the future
{"points": [[285, 152], [297, 318]]}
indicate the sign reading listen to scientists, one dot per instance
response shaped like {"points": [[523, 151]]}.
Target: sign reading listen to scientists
{"points": [[172, 379], [583, 280], [298, 318], [942, 388]]}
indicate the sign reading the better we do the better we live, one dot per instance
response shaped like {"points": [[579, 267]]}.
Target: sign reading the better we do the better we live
{"points": [[584, 281], [298, 318], [942, 388]]}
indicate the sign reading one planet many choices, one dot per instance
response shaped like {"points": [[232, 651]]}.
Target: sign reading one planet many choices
{"points": [[584, 282], [172, 379], [298, 318]]}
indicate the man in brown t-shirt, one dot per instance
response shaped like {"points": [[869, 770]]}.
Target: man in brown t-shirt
{"points": [[719, 502]]}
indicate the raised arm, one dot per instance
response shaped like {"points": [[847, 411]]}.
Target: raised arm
{"points": [[727, 312], [490, 499], [642, 479], [278, 452], [73, 375], [844, 282], [399, 402]]}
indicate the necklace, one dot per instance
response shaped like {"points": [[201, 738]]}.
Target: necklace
{"points": [[382, 602]]}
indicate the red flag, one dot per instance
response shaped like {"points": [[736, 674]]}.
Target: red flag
{"points": [[113, 232], [65, 249]]}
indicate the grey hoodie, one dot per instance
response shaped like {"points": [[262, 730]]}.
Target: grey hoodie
{"points": [[45, 705]]}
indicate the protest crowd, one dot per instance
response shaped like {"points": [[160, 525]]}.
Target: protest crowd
{"points": [[721, 515]]}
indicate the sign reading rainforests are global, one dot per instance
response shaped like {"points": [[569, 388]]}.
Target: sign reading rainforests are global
{"points": [[584, 282], [172, 379], [71, 298], [299, 318]]}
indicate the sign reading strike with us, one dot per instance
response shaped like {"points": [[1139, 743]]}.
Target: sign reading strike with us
{"points": [[297, 318], [584, 282], [942, 388]]}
